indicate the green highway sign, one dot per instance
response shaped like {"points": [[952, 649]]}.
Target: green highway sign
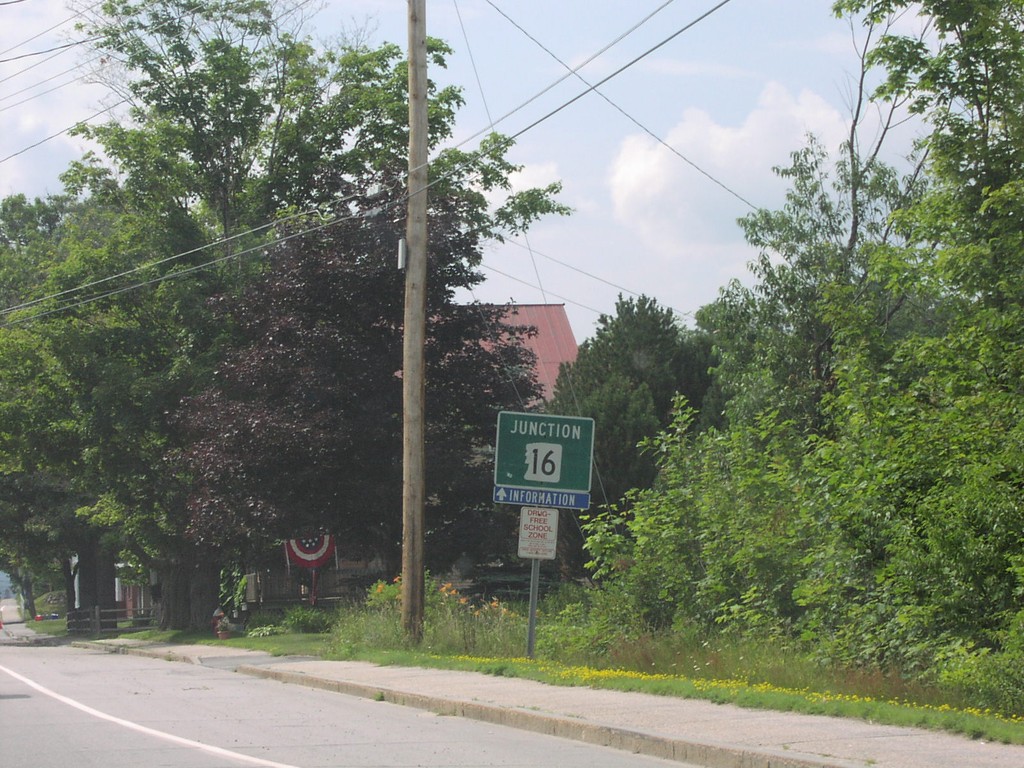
{"points": [[543, 453]]}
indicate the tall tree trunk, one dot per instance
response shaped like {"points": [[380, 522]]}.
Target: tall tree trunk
{"points": [[174, 597], [204, 592], [87, 596], [106, 588], [189, 588], [68, 572], [23, 578]]}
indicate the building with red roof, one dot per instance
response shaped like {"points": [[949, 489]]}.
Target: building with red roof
{"points": [[553, 343]]}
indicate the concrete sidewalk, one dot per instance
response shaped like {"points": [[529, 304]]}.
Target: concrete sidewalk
{"points": [[692, 732]]}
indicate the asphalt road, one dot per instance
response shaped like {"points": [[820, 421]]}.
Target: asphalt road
{"points": [[62, 706]]}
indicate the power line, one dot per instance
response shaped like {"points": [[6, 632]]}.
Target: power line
{"points": [[575, 71], [515, 279], [558, 81], [62, 132], [61, 49], [262, 247], [37, 95], [52, 77], [627, 115], [39, 64], [50, 29], [48, 50], [472, 61], [501, 145], [587, 274], [150, 265]]}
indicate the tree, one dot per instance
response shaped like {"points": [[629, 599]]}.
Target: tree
{"points": [[236, 117], [233, 122], [303, 428], [89, 375], [38, 497], [864, 495], [733, 507], [626, 378], [924, 469], [825, 276]]}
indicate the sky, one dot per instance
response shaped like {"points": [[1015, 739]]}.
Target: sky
{"points": [[658, 163]]}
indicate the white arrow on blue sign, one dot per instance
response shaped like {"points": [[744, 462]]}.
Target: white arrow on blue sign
{"points": [[533, 497]]}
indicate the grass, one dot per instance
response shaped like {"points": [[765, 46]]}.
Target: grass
{"points": [[491, 640], [972, 723]]}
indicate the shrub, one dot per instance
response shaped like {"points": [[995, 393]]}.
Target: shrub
{"points": [[264, 618], [986, 678], [308, 620], [586, 630], [265, 630], [385, 594], [452, 623]]}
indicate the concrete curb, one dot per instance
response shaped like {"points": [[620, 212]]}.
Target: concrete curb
{"points": [[136, 650], [708, 755]]}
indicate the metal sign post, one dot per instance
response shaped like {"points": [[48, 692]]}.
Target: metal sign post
{"points": [[538, 540]]}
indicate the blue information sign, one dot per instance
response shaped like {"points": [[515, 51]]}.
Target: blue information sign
{"points": [[535, 497]]}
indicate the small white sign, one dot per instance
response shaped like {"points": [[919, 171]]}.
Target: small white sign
{"points": [[538, 533]]}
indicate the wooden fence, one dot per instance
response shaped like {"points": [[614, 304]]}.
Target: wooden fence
{"points": [[97, 620]]}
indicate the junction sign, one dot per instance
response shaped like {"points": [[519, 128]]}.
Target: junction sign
{"points": [[543, 460]]}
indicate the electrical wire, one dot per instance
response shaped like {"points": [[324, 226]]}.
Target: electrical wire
{"points": [[60, 48], [472, 61], [298, 7], [515, 279], [157, 263], [261, 248], [38, 95], [501, 146], [62, 132], [590, 275], [51, 78], [569, 378], [600, 52], [39, 64], [50, 29], [575, 72]]}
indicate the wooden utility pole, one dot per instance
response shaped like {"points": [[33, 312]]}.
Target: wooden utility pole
{"points": [[413, 373]]}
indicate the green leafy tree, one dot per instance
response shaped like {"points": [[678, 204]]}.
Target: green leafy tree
{"points": [[39, 439], [236, 117], [872, 512], [196, 162], [96, 370], [724, 535], [626, 377], [234, 121], [923, 478], [825, 275]]}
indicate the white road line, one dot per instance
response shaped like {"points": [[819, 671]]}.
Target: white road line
{"points": [[143, 729]]}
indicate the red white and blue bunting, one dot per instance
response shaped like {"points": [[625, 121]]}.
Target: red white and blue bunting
{"points": [[310, 551]]}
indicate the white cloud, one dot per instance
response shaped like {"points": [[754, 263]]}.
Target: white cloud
{"points": [[534, 175], [683, 222], [669, 204]]}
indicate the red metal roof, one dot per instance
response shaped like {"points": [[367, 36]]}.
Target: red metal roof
{"points": [[553, 344]]}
